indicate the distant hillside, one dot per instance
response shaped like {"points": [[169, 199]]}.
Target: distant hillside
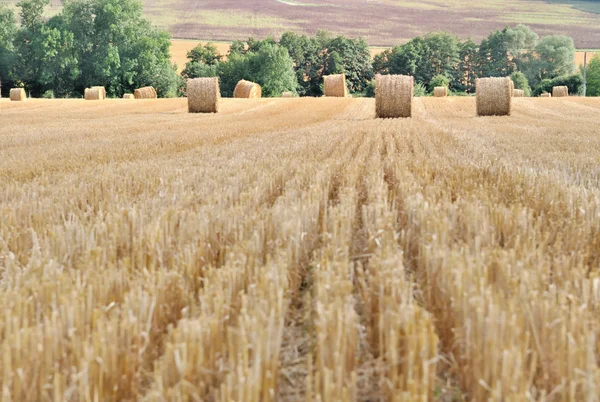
{"points": [[381, 22]]}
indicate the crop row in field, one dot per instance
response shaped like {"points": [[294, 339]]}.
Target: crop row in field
{"points": [[299, 249]]}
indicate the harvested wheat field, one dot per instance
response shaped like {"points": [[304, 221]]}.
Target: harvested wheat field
{"points": [[299, 250]]}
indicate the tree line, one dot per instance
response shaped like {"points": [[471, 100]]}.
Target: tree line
{"points": [[110, 43], [90, 42]]}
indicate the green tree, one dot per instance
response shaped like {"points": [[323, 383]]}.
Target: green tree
{"points": [[203, 62], [521, 82], [8, 31], [334, 64], [572, 81], [305, 53], [207, 54], [593, 77], [467, 67], [440, 57], [555, 56], [32, 13], [407, 59], [237, 47], [356, 60], [118, 48], [381, 62], [271, 67]]}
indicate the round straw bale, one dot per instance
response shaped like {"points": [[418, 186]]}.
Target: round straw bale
{"points": [[518, 93], [93, 94], [287, 95], [335, 85], [512, 88], [494, 96], [440, 92], [102, 92], [128, 96], [393, 96], [560, 92], [203, 95], [17, 94], [247, 90], [546, 95], [145, 93]]}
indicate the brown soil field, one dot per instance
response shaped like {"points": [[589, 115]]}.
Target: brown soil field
{"points": [[299, 249], [380, 22]]}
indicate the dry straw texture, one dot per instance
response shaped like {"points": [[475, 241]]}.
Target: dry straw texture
{"points": [[128, 96], [247, 90], [560, 92], [494, 96], [546, 95], [203, 95], [518, 93], [335, 85], [145, 93], [344, 259], [394, 96], [102, 91], [287, 95], [440, 92], [95, 93], [18, 94]]}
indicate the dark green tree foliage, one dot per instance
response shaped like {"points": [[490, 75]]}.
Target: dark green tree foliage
{"points": [[407, 58], [521, 82], [494, 60], [573, 81], [468, 67], [8, 56], [381, 62], [441, 57], [119, 49], [271, 67], [354, 60], [92, 42], [203, 62], [554, 56], [237, 47], [593, 77], [427, 57], [306, 55], [323, 55]]}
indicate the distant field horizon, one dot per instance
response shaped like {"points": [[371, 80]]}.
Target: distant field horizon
{"points": [[380, 22]]}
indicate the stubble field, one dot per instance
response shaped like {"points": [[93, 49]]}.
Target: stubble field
{"points": [[299, 249]]}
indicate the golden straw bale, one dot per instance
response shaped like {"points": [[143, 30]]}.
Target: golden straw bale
{"points": [[102, 92], [440, 92], [335, 85], [17, 94], [560, 92], [393, 96], [287, 95], [128, 96], [247, 90], [203, 95], [518, 93], [546, 95], [494, 96], [93, 94], [145, 93]]}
